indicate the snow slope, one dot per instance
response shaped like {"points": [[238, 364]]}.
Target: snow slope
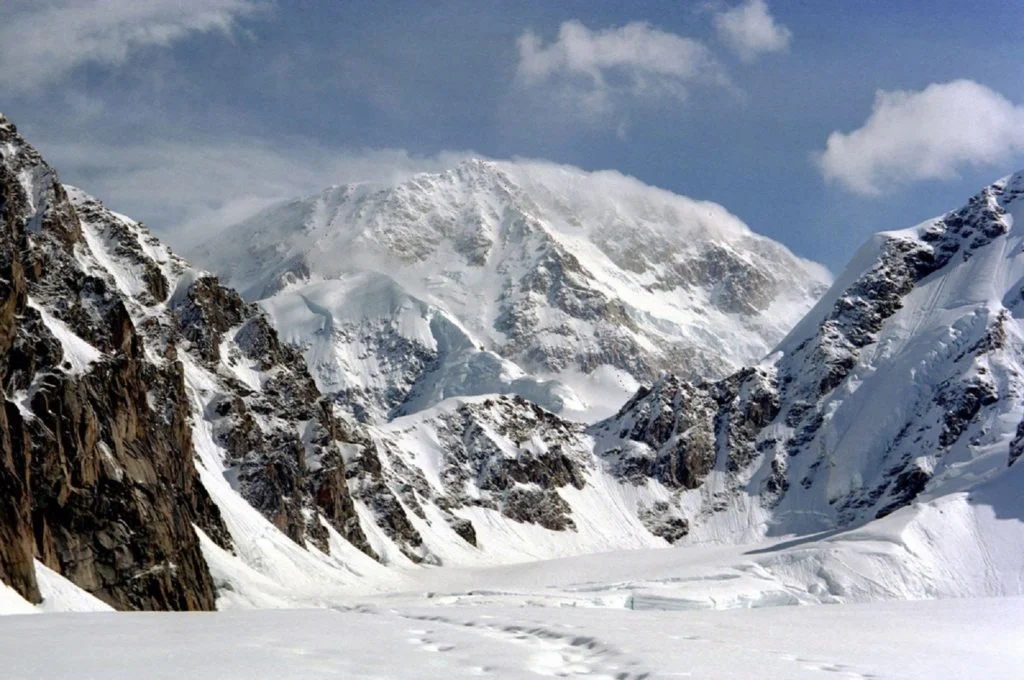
{"points": [[877, 438], [903, 384], [900, 640], [562, 286]]}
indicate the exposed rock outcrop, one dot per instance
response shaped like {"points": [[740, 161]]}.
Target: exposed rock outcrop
{"points": [[97, 454], [113, 352]]}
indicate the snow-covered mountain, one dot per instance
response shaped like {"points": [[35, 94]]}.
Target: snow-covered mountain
{"points": [[884, 429], [898, 394], [162, 448], [904, 384], [566, 287], [153, 420]]}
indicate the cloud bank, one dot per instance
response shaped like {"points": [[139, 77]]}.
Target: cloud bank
{"points": [[925, 135], [190, 189], [594, 70], [43, 41]]}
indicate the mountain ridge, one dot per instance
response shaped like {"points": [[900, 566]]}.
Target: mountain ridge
{"points": [[933, 366], [164, 448], [557, 273]]}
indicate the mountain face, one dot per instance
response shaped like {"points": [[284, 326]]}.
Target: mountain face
{"points": [[564, 287], [904, 383], [161, 446], [96, 453], [138, 393], [163, 449]]}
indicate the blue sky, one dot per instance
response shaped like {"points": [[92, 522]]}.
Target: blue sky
{"points": [[189, 114]]}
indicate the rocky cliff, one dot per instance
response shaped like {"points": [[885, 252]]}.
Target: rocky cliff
{"points": [[114, 355], [97, 452]]}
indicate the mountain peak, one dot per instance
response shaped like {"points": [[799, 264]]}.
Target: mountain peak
{"points": [[903, 383], [561, 274]]}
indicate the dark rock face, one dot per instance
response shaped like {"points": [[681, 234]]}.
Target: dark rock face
{"points": [[503, 453], [96, 461], [281, 438], [683, 426], [205, 313], [523, 487], [115, 491], [543, 507], [663, 520], [1017, 445], [464, 528], [16, 538], [961, 402], [379, 490], [675, 420], [908, 484]]}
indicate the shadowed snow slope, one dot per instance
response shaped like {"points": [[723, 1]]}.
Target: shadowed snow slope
{"points": [[562, 286]]}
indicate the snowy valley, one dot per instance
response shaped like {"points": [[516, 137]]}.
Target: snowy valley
{"points": [[508, 419]]}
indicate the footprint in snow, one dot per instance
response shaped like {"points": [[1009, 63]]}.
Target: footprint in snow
{"points": [[438, 647], [838, 668]]}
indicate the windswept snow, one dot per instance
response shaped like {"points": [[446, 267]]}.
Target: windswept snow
{"points": [[512, 277]]}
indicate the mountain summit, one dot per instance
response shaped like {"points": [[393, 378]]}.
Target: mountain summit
{"points": [[566, 287]]}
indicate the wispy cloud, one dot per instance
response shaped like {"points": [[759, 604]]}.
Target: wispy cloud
{"points": [[750, 30], [188, 190], [593, 72], [42, 41], [924, 135]]}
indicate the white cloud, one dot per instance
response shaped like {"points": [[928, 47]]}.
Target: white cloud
{"points": [[750, 30], [594, 71], [927, 134], [189, 190], [42, 41]]}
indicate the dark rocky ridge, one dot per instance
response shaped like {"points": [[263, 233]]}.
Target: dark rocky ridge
{"points": [[98, 465], [98, 485], [501, 453], [283, 437]]}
